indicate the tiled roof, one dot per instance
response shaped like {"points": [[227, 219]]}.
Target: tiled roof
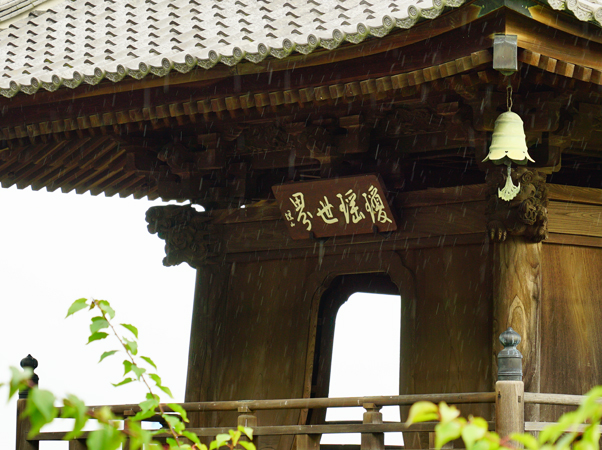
{"points": [[86, 41], [12, 8], [583, 9]]}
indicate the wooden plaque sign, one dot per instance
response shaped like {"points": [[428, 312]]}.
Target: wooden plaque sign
{"points": [[335, 207]]}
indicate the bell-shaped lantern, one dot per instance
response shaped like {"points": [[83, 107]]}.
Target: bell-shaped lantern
{"points": [[508, 145]]}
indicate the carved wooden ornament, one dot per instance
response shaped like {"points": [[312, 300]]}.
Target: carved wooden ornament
{"points": [[335, 207]]}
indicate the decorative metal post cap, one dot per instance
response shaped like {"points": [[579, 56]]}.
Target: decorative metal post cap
{"points": [[510, 360], [31, 362]]}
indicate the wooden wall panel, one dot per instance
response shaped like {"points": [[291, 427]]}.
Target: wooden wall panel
{"points": [[452, 328], [571, 350], [263, 339]]}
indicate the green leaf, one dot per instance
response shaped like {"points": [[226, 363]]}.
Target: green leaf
{"points": [[138, 370], [445, 432], [104, 414], [127, 367], [528, 441], [107, 354], [77, 305], [123, 382], [141, 415], [247, 445], [132, 346], [479, 422], [139, 438], [166, 390], [472, 433], [485, 444], [192, 436], [246, 430], [97, 336], [150, 361], [106, 308], [106, 438], [220, 441], [150, 404], [98, 323], [18, 380], [40, 409], [173, 444], [235, 435], [75, 408], [131, 328], [156, 378], [175, 422], [422, 412], [564, 443], [181, 411], [447, 413]]}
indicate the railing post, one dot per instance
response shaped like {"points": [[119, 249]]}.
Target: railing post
{"points": [[373, 441], [246, 418], [23, 425], [509, 388]]}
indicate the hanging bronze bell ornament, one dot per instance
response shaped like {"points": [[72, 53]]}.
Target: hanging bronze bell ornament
{"points": [[508, 145]]}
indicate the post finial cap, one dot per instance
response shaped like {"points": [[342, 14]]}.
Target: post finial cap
{"points": [[510, 360], [29, 361]]}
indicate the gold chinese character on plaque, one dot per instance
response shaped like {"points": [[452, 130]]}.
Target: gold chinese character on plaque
{"points": [[298, 201]]}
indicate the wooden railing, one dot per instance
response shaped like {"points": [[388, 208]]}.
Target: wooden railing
{"points": [[509, 399], [308, 436]]}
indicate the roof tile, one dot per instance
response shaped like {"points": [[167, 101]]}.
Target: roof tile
{"points": [[84, 42]]}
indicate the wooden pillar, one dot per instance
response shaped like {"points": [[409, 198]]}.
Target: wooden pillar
{"points": [[80, 444], [516, 300], [211, 282]]}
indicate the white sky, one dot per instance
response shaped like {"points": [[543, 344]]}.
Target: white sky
{"points": [[59, 247]]}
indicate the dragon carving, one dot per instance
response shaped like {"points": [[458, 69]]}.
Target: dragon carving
{"points": [[186, 232], [527, 214]]}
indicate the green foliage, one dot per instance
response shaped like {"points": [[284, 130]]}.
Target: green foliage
{"points": [[19, 380], [75, 408], [40, 407], [576, 430]]}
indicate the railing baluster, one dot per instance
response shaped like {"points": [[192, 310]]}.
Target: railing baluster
{"points": [[78, 444], [126, 426], [373, 441], [246, 418], [308, 441]]}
